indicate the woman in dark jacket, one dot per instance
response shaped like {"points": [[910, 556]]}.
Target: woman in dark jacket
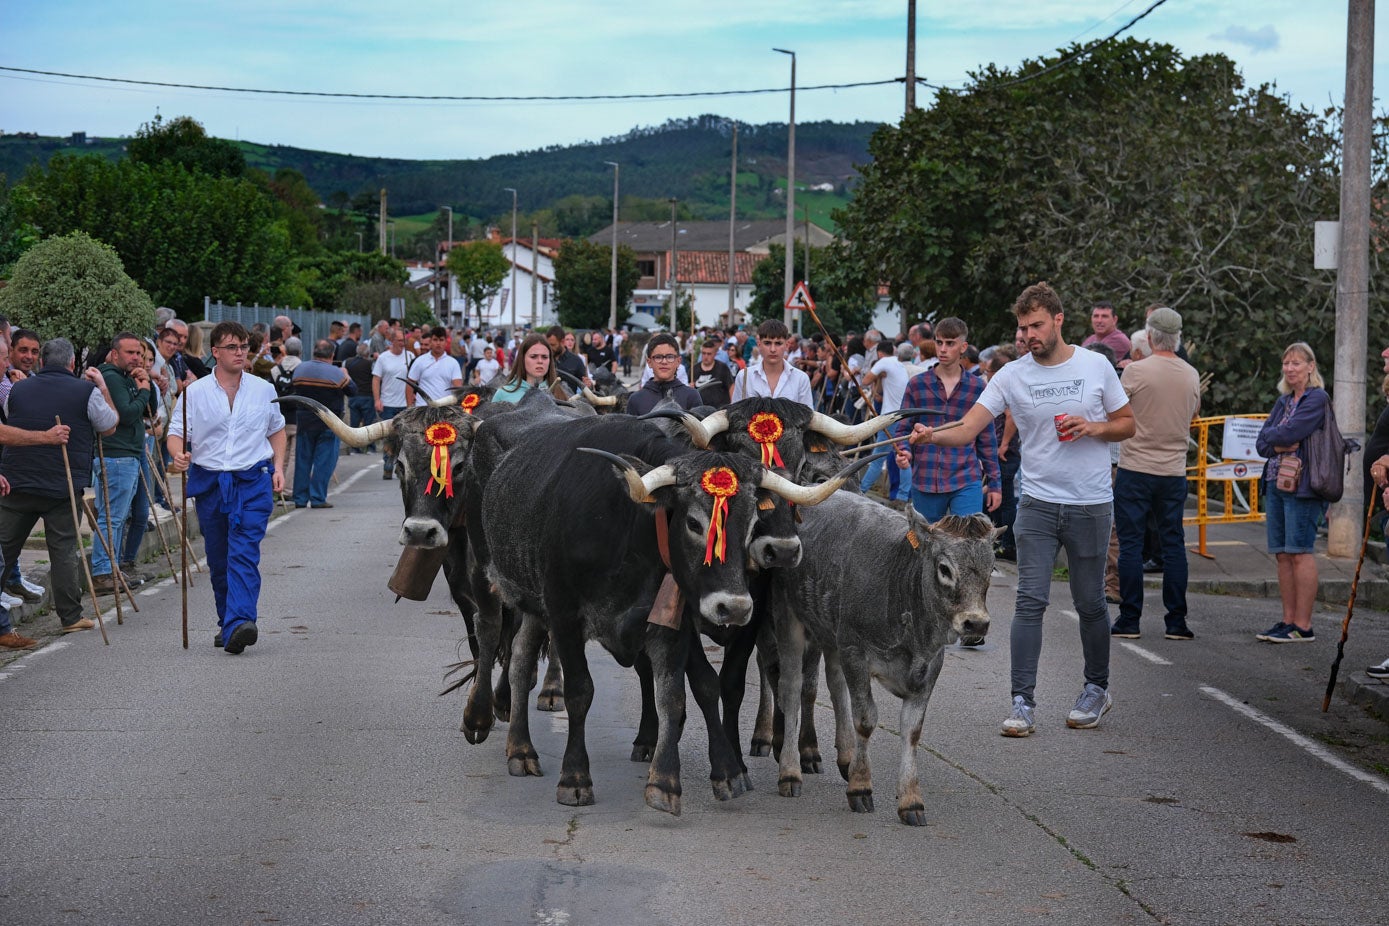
{"points": [[1293, 516]]}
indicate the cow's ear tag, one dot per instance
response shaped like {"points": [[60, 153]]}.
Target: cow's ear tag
{"points": [[914, 540], [766, 504]]}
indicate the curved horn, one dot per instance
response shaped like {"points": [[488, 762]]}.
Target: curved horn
{"points": [[639, 487], [570, 378], [813, 495], [853, 433], [698, 435], [450, 399], [352, 437], [596, 400], [715, 424]]}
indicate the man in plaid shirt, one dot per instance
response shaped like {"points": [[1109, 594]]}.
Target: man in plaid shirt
{"points": [[949, 480]]}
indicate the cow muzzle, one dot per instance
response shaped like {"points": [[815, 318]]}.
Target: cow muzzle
{"points": [[725, 609], [423, 532], [970, 624], [775, 552]]}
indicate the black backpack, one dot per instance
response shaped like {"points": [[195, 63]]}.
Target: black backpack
{"points": [[283, 380]]}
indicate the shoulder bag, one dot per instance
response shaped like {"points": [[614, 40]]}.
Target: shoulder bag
{"points": [[1327, 458]]}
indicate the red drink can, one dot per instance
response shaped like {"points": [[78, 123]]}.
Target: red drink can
{"points": [[1062, 435]]}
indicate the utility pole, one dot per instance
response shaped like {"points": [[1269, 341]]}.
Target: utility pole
{"points": [[381, 223], [672, 278], [732, 219], [513, 259], [790, 270], [911, 55], [800, 316], [535, 270], [1353, 269], [612, 288], [448, 278]]}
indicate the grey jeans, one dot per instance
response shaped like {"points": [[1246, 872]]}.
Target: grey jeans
{"points": [[1083, 530]]}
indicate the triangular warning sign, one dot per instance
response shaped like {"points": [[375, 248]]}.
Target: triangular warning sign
{"points": [[800, 298]]}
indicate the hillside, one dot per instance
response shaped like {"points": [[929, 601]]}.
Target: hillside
{"points": [[687, 159]]}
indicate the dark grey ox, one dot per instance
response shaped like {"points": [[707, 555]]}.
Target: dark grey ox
{"points": [[885, 612], [574, 551]]}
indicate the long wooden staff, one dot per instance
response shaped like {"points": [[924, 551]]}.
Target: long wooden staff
{"points": [[77, 528], [893, 440], [183, 513], [162, 480], [89, 509], [108, 541], [843, 363], [158, 524], [1350, 606]]}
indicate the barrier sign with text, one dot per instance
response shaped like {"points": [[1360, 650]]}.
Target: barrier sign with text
{"points": [[1252, 469], [1237, 441]]}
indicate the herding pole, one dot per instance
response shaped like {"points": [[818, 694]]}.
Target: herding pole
{"points": [[1350, 608], [77, 529], [183, 511]]}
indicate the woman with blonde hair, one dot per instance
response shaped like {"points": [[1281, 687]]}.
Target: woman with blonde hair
{"points": [[1292, 513]]}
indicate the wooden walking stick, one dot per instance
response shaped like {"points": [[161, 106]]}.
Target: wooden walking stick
{"points": [[183, 513], [158, 525], [108, 541], [1350, 606], [163, 482], [77, 528], [89, 509], [893, 440]]}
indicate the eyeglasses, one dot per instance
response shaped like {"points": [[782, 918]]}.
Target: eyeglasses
{"points": [[664, 358], [234, 348]]}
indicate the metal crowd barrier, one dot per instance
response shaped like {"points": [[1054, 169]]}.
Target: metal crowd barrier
{"points": [[1237, 469]]}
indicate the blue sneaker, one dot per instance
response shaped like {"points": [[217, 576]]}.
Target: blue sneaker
{"points": [[1021, 722], [1291, 634], [1094, 702], [1276, 628]]}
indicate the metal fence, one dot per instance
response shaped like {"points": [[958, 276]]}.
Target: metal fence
{"points": [[314, 324]]}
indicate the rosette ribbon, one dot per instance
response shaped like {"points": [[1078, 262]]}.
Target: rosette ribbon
{"points": [[720, 483], [441, 437]]}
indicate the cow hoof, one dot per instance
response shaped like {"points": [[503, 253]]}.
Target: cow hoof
{"points": [[549, 702], [574, 797], [664, 801], [789, 787], [861, 802], [642, 752], [502, 711], [760, 749], [726, 789], [521, 766], [912, 816], [843, 770], [475, 735], [810, 765]]}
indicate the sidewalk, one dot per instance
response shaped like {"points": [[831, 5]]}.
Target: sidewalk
{"points": [[1242, 566]]}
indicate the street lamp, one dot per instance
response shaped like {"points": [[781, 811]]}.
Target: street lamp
{"points": [[612, 292], [513, 259], [788, 283], [732, 216], [673, 278]]}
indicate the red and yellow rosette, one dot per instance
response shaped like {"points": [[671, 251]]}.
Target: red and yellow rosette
{"points": [[721, 483], [470, 402], [766, 429], [441, 437]]}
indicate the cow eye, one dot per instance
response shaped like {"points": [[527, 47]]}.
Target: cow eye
{"points": [[946, 573], [693, 526]]}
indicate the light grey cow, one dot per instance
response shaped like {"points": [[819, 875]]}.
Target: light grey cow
{"points": [[887, 611]]}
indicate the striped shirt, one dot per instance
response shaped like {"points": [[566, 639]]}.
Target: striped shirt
{"points": [[936, 469]]}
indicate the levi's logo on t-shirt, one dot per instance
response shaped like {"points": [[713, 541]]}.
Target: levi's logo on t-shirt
{"points": [[1057, 393]]}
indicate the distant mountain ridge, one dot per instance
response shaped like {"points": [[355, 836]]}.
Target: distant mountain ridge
{"points": [[686, 158]]}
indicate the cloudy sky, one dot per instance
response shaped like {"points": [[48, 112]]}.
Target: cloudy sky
{"points": [[579, 47]]}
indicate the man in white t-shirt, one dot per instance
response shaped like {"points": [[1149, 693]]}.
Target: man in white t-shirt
{"points": [[487, 368], [388, 375], [1068, 406], [891, 377], [435, 373]]}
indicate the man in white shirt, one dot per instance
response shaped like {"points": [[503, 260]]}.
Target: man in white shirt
{"points": [[234, 466], [1068, 406], [388, 375], [435, 373], [771, 376]]}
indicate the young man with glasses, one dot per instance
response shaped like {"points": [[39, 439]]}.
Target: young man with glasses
{"points": [[663, 357], [234, 454]]}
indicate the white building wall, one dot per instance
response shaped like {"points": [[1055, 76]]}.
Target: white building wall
{"points": [[498, 310]]}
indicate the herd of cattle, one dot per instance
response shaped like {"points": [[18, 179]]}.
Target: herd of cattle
{"points": [[556, 520]]}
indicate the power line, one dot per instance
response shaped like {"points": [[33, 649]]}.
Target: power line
{"points": [[452, 99], [1064, 61]]}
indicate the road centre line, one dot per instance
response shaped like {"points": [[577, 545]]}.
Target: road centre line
{"points": [[1134, 648], [1312, 748]]}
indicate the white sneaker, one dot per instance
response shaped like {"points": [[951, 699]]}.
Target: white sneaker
{"points": [[33, 587], [1021, 722], [10, 602], [160, 513], [1092, 704]]}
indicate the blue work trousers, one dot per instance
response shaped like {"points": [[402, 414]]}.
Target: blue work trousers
{"points": [[315, 458], [233, 512], [117, 480]]}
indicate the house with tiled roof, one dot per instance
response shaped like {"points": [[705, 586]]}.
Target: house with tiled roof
{"points": [[531, 299], [702, 261]]}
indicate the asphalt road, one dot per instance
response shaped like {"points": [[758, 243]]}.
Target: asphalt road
{"points": [[318, 778]]}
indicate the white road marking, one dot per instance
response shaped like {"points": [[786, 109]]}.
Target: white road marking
{"points": [[1309, 746], [23, 663], [1132, 647]]}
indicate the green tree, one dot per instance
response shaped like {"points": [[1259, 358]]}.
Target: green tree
{"points": [[583, 283], [1132, 174], [74, 286], [843, 299], [374, 299], [16, 236], [183, 141], [478, 267], [327, 278]]}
